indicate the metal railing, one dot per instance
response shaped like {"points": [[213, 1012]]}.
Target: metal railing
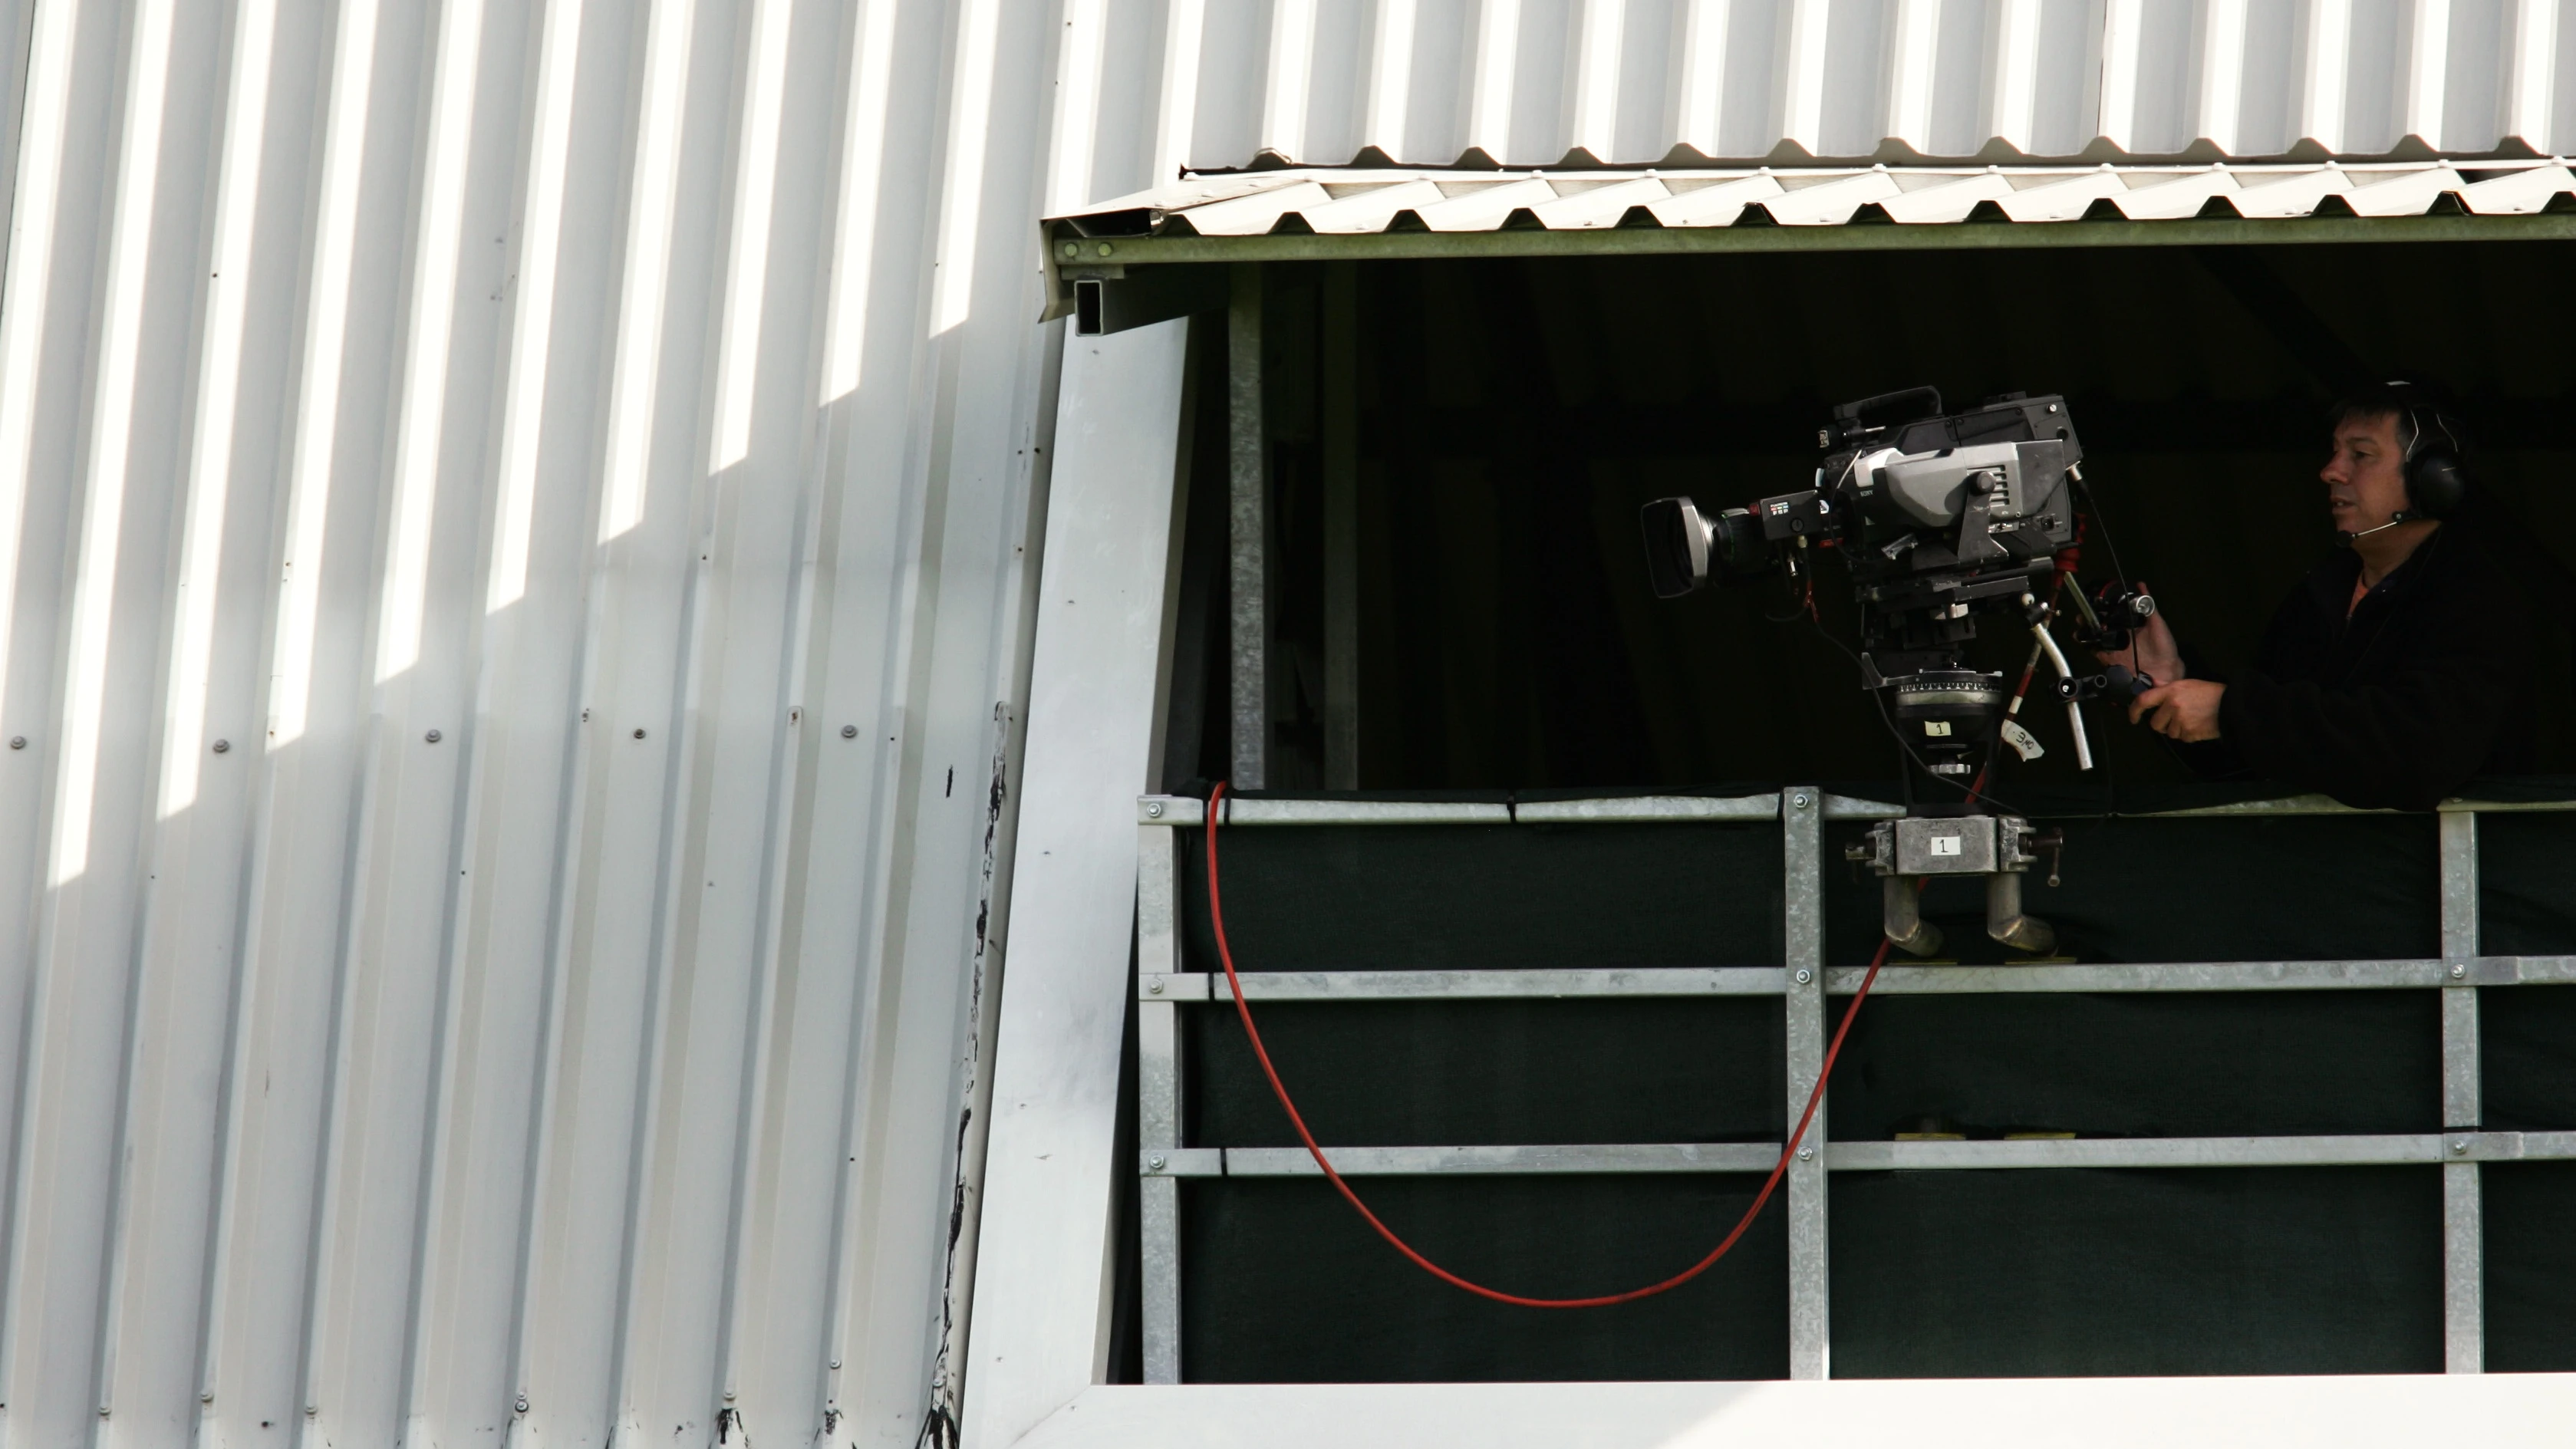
{"points": [[1805, 981]]}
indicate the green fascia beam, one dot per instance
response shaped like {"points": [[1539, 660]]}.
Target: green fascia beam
{"points": [[1863, 237]]}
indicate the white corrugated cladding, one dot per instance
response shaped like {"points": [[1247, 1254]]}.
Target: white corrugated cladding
{"points": [[1534, 82], [516, 523]]}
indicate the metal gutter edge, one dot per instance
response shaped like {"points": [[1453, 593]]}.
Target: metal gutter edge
{"points": [[1940, 236]]}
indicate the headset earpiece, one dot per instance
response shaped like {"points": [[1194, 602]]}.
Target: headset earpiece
{"points": [[2436, 482]]}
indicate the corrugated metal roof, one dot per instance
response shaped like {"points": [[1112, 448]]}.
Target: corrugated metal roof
{"points": [[1363, 202], [1635, 82]]}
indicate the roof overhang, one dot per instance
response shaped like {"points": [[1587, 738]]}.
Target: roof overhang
{"points": [[1383, 213]]}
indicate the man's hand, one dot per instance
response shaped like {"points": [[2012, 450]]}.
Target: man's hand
{"points": [[2186, 710], [2157, 656]]}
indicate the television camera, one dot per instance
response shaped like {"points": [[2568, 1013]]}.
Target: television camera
{"points": [[1941, 519]]}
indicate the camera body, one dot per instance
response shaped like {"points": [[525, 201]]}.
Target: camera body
{"points": [[1938, 517]]}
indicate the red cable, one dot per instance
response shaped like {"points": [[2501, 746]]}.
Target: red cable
{"points": [[1225, 954]]}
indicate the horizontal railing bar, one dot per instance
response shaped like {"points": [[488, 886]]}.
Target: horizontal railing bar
{"points": [[2159, 976], [2505, 807], [2514, 1146], [1642, 809], [2211, 976], [1364, 812], [2352, 1150], [1838, 807], [1476, 985], [2520, 971], [1184, 810], [1649, 808], [2102, 1152], [1845, 807], [1497, 1161], [1552, 983]]}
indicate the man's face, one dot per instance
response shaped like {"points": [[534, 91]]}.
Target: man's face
{"points": [[2366, 477]]}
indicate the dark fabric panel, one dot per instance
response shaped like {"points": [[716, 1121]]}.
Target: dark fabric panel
{"points": [[1428, 897], [2196, 1271], [2527, 1053], [1285, 1284], [2214, 1065], [2319, 887], [1514, 414], [2531, 1266], [1469, 1073], [2219, 1271], [2526, 864]]}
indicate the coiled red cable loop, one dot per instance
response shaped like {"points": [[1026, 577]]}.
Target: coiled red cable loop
{"points": [[1225, 954]]}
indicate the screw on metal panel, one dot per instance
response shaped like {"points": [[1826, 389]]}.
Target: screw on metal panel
{"points": [[836, 1365], [1105, 249], [207, 1397], [728, 1396], [849, 732], [312, 1409], [1799, 800], [2460, 1148], [1155, 1162], [522, 1404], [102, 1411], [1154, 988], [1805, 975], [222, 745], [1806, 1154], [1070, 250], [432, 737], [17, 742], [1154, 809], [639, 734], [2458, 970]]}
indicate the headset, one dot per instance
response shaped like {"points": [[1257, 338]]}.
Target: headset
{"points": [[2437, 483]]}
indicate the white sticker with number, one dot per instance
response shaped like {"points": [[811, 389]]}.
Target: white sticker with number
{"points": [[1945, 845], [2024, 743]]}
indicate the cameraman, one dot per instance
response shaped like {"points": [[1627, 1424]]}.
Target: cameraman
{"points": [[2399, 669]]}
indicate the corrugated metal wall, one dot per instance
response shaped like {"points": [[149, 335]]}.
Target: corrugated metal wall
{"points": [[516, 524], [1533, 82]]}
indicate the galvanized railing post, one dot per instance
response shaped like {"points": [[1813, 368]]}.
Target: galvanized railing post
{"points": [[1247, 535], [1802, 810], [2463, 1231], [1158, 1097]]}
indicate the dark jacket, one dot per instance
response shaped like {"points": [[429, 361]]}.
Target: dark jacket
{"points": [[2426, 684]]}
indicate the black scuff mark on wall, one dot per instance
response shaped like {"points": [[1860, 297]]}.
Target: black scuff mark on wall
{"points": [[940, 1426]]}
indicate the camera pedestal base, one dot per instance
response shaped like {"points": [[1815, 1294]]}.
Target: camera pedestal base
{"points": [[1905, 851]]}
